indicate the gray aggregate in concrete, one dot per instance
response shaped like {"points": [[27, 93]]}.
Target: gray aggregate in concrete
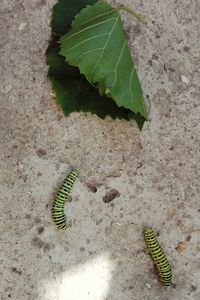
{"points": [[156, 171]]}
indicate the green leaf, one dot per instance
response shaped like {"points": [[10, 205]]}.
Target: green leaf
{"points": [[73, 92], [96, 44]]}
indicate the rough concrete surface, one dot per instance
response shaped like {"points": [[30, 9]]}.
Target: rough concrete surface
{"points": [[156, 171]]}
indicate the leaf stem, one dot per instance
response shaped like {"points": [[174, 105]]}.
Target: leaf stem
{"points": [[133, 13]]}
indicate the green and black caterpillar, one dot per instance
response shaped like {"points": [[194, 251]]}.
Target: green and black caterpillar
{"points": [[58, 214], [158, 257]]}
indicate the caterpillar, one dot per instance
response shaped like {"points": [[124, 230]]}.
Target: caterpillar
{"points": [[58, 214], [158, 257]]}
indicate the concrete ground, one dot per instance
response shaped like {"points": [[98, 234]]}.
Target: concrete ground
{"points": [[156, 171]]}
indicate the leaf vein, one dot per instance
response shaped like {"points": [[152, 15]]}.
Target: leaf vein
{"points": [[117, 64], [87, 52], [65, 38], [110, 34], [88, 21], [82, 42]]}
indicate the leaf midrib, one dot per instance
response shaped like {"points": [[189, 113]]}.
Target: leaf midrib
{"points": [[104, 48], [117, 64]]}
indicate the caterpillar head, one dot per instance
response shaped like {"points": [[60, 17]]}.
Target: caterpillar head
{"points": [[147, 230], [75, 172]]}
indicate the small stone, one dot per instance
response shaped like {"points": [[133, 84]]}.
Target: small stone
{"points": [[91, 187], [15, 270], [180, 248], [188, 238], [148, 285], [110, 196], [40, 229], [186, 48], [139, 165], [41, 152], [118, 224], [22, 26], [184, 79]]}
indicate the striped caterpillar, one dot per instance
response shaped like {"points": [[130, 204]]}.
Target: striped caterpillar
{"points": [[158, 257], [58, 214]]}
